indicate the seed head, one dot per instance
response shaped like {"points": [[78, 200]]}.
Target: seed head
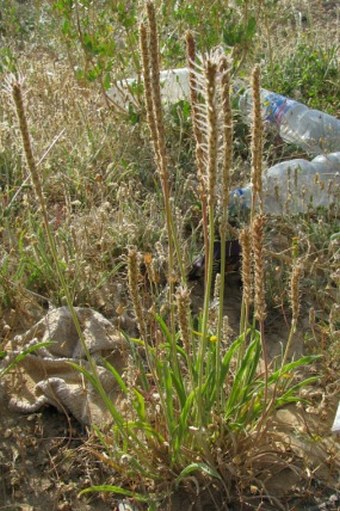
{"points": [[259, 273], [257, 137], [295, 291], [245, 241]]}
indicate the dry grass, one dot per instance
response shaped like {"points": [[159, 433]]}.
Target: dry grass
{"points": [[103, 197]]}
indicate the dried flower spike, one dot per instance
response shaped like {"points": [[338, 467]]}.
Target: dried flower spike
{"points": [[256, 139], [133, 279], [144, 49], [20, 110], [259, 273], [245, 241], [295, 291], [211, 72], [227, 149]]}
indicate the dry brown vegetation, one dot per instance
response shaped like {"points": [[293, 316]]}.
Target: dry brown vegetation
{"points": [[127, 218]]}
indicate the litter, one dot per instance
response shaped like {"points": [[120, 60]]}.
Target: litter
{"points": [[174, 87], [336, 423], [294, 186], [46, 377], [314, 131]]}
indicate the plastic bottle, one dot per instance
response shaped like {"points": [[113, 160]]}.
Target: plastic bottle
{"points": [[312, 130], [294, 186], [336, 423], [174, 87]]}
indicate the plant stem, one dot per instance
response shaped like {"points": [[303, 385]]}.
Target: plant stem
{"points": [[20, 110], [204, 333], [227, 158]]}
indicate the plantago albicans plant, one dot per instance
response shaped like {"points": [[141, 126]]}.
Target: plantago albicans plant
{"points": [[211, 394], [15, 87]]}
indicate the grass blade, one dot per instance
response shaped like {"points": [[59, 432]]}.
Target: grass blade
{"points": [[198, 467], [115, 489]]}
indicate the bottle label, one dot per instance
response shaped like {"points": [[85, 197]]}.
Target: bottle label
{"points": [[274, 106], [239, 200], [238, 196]]}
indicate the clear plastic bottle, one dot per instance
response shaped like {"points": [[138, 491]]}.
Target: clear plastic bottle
{"points": [[294, 186], [174, 87], [312, 130]]}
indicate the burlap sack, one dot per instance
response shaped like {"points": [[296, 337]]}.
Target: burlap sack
{"points": [[46, 376]]}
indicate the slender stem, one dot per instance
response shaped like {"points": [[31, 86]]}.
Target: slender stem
{"points": [[36, 180], [292, 331], [151, 71], [268, 406], [204, 333], [221, 298], [265, 361], [227, 157]]}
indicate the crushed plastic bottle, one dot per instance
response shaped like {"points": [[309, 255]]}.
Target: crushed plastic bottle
{"points": [[336, 423], [174, 87], [312, 130], [294, 186]]}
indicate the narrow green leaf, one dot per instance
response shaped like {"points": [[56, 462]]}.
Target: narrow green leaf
{"points": [[306, 360], [139, 404], [183, 420], [180, 387], [90, 377], [169, 395], [198, 467], [240, 382], [164, 328], [227, 358], [146, 428], [288, 368], [116, 415], [291, 392], [250, 29], [116, 375], [21, 356], [115, 489]]}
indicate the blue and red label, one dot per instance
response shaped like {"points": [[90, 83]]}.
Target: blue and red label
{"points": [[274, 106]]}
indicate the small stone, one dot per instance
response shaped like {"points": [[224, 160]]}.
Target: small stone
{"points": [[126, 506], [8, 433]]}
